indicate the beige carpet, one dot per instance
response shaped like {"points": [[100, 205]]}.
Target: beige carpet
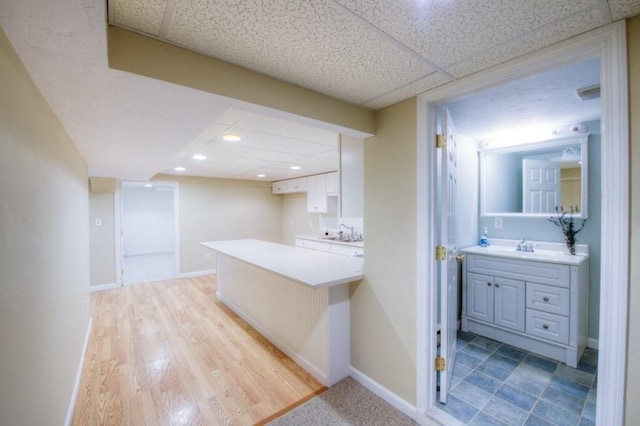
{"points": [[346, 403]]}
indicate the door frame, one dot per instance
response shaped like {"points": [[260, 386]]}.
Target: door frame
{"points": [[609, 43], [119, 246]]}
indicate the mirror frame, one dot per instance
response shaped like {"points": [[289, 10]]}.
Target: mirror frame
{"points": [[584, 172]]}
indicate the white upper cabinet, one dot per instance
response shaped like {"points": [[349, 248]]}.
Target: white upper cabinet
{"points": [[317, 193], [289, 186]]}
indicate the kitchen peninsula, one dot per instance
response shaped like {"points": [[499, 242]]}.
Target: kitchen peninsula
{"points": [[295, 297]]}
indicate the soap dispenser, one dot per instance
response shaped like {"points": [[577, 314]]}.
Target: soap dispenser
{"points": [[484, 240]]}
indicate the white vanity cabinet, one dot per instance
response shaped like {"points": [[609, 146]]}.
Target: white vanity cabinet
{"points": [[496, 300], [540, 306]]}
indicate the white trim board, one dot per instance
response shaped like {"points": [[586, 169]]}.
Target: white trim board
{"points": [[609, 43], [197, 273], [102, 287], [76, 385]]}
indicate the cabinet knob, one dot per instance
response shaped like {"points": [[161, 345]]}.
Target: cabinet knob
{"points": [[545, 299], [497, 285], [489, 284], [545, 326]]}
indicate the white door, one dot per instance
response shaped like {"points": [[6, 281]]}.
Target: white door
{"points": [[448, 269], [541, 186]]}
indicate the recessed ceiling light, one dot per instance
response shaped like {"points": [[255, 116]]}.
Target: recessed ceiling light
{"points": [[179, 169], [199, 157], [231, 138], [295, 167], [261, 175]]}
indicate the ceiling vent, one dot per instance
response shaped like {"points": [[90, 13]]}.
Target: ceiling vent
{"points": [[591, 92]]}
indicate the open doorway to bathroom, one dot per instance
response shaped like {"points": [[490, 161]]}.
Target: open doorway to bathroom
{"points": [[607, 47], [148, 231]]}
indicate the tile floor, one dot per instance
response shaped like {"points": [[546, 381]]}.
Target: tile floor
{"points": [[497, 384]]}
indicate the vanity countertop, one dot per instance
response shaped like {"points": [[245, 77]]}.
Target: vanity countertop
{"points": [[544, 252]]}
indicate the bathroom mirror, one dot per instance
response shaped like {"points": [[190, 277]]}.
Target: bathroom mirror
{"points": [[532, 179]]}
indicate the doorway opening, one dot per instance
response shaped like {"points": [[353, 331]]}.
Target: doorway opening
{"points": [[608, 45], [148, 224]]}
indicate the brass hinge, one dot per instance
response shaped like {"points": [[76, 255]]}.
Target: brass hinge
{"points": [[440, 365], [441, 141], [441, 253], [121, 271]]}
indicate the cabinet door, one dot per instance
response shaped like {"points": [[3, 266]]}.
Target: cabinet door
{"points": [[317, 194], [480, 296], [509, 303], [299, 185], [277, 187]]}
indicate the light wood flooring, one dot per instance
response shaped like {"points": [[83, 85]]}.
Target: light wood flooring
{"points": [[169, 353]]}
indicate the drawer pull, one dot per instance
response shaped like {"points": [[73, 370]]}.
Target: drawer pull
{"points": [[546, 299], [545, 326]]}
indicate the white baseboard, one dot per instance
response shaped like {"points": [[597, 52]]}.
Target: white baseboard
{"points": [[384, 393], [103, 287], [592, 343], [76, 385], [196, 273]]}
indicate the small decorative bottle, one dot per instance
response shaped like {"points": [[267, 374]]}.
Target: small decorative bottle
{"points": [[484, 240]]}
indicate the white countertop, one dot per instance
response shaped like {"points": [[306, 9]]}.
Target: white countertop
{"points": [[544, 252], [332, 241], [308, 267]]}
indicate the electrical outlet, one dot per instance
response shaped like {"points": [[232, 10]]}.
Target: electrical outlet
{"points": [[99, 221], [497, 223]]}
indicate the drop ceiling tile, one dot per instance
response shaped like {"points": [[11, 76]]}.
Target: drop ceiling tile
{"points": [[311, 44], [405, 92], [445, 32], [214, 150], [141, 15], [561, 30], [213, 131], [286, 128], [331, 154], [623, 8]]}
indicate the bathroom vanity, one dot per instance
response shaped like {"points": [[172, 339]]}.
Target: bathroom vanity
{"points": [[536, 301]]}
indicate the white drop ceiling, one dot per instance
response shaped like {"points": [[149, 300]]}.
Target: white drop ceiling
{"points": [[371, 53]]}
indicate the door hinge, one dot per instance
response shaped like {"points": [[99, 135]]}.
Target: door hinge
{"points": [[441, 141], [121, 271], [440, 364], [441, 253]]}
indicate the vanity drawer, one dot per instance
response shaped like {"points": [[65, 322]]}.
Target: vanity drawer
{"points": [[524, 270], [548, 326], [547, 298]]}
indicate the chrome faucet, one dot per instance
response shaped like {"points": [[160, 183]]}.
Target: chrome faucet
{"points": [[350, 228], [524, 246]]}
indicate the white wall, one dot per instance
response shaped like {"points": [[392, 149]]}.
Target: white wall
{"points": [[102, 238], [44, 253], [222, 209], [147, 219], [295, 218]]}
